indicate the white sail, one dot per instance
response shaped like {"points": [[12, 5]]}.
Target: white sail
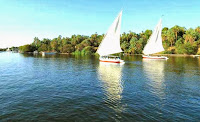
{"points": [[154, 44], [111, 42]]}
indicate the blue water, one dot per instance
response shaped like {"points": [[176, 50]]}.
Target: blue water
{"points": [[79, 88]]}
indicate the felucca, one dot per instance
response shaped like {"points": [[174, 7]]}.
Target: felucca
{"points": [[111, 43], [154, 44]]}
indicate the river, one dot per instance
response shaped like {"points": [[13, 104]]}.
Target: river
{"points": [[79, 88]]}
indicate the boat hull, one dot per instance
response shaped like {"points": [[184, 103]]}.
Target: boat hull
{"points": [[48, 53], [154, 57], [111, 59]]}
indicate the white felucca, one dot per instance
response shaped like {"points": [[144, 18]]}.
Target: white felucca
{"points": [[111, 43], [154, 44]]}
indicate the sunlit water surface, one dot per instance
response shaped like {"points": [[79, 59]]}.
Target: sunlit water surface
{"points": [[79, 88]]}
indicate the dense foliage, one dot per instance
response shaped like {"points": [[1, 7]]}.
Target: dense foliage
{"points": [[176, 40], [2, 49], [11, 49]]}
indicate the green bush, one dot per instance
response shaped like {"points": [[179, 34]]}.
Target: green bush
{"points": [[26, 48], [190, 48]]}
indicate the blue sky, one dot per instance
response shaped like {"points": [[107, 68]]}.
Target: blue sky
{"points": [[22, 20]]}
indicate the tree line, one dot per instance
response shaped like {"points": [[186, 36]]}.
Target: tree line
{"points": [[2, 49], [11, 49], [176, 40]]}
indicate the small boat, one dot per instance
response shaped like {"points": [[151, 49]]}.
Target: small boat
{"points": [[196, 56], [154, 57], [111, 43], [154, 44], [35, 52], [48, 53]]}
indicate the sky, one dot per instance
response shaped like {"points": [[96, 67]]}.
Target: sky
{"points": [[22, 20]]}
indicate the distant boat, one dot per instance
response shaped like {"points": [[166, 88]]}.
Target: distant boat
{"points": [[48, 53], [111, 43], [35, 52], [154, 44]]}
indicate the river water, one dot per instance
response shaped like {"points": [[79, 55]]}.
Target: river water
{"points": [[79, 88]]}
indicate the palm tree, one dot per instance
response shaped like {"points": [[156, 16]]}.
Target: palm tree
{"points": [[198, 33], [198, 29], [190, 36], [177, 29], [164, 34], [170, 36]]}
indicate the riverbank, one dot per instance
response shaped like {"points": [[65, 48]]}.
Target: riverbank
{"points": [[181, 55]]}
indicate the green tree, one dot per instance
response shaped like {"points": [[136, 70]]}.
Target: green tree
{"points": [[180, 46], [43, 47], [36, 43], [87, 50], [125, 46], [177, 29], [68, 48], [190, 36], [198, 33], [26, 48], [54, 45], [171, 37], [190, 48], [164, 35], [86, 42], [132, 47]]}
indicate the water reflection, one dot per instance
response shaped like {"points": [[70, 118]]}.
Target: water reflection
{"points": [[111, 77], [154, 71]]}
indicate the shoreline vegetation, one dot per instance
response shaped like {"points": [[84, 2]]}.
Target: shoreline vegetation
{"points": [[176, 40]]}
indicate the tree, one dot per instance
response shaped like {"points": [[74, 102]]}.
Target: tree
{"points": [[36, 43], [26, 48], [93, 38], [175, 38], [125, 46], [176, 30], [124, 38], [146, 34], [190, 36], [180, 46], [170, 36], [198, 29], [87, 50], [54, 45], [68, 48], [43, 47], [190, 48], [198, 32], [86, 42], [164, 34]]}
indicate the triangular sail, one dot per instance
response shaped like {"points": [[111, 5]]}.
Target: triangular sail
{"points": [[154, 44], [111, 42]]}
